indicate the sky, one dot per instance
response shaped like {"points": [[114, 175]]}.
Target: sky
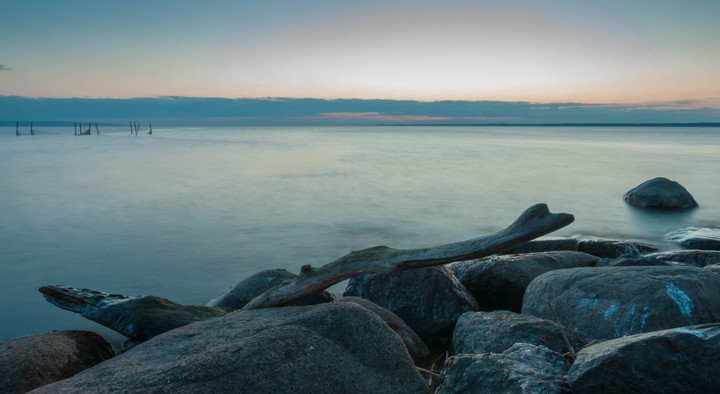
{"points": [[659, 53]]}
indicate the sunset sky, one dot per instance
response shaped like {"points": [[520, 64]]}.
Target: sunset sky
{"points": [[596, 52]]}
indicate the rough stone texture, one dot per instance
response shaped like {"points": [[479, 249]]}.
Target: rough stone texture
{"points": [[326, 348], [699, 258], [545, 245], [417, 348], [236, 296], [610, 248], [610, 302], [695, 238], [660, 193], [523, 368], [36, 360], [635, 261], [429, 300], [680, 360], [499, 282], [495, 332]]}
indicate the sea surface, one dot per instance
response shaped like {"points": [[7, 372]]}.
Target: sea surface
{"points": [[185, 212]]}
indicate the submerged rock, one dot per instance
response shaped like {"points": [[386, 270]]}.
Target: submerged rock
{"points": [[611, 248], [238, 295], [680, 360], [499, 282], [660, 193], [429, 300], [611, 302], [695, 238], [325, 348], [698, 258], [495, 332], [523, 368], [37, 360]]}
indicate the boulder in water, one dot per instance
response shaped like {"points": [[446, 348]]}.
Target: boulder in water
{"points": [[695, 238], [660, 193]]}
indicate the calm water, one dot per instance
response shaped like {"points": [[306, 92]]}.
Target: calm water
{"points": [[187, 211]]}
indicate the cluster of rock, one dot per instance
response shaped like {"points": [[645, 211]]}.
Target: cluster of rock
{"points": [[561, 315]]}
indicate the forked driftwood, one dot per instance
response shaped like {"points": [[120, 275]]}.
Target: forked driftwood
{"points": [[534, 222]]}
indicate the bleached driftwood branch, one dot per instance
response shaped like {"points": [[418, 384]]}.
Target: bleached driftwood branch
{"points": [[534, 222]]}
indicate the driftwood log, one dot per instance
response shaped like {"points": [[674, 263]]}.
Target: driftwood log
{"points": [[142, 317], [534, 222]]}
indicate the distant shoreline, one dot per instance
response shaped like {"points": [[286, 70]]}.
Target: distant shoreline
{"points": [[7, 123]]}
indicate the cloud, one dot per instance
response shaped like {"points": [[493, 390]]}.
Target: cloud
{"points": [[173, 110], [4, 68]]}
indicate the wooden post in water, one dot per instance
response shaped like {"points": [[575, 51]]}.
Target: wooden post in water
{"points": [[150, 132], [75, 128], [31, 129], [130, 127], [17, 126], [97, 129]]}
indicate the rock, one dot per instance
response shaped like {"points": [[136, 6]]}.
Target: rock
{"points": [[679, 360], [36, 360], [698, 258], [695, 238], [609, 248], [494, 332], [499, 282], [417, 348], [325, 348], [660, 193], [236, 296], [610, 302], [138, 318], [545, 245], [429, 300], [635, 261], [523, 368]]}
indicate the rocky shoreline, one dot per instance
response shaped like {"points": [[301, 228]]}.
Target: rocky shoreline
{"points": [[556, 315]]}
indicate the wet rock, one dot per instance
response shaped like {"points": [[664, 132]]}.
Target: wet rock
{"points": [[36, 360], [660, 193], [495, 332], [635, 261], [609, 248], [523, 368], [236, 296], [429, 300], [680, 360], [695, 238], [417, 348], [610, 302], [325, 348], [499, 282], [545, 245], [698, 258]]}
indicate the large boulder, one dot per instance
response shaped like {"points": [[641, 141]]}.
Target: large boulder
{"points": [[698, 258], [499, 282], [611, 248], [239, 294], [326, 348], [37, 360], [695, 238], [417, 348], [523, 368], [611, 302], [679, 360], [429, 300], [495, 332], [660, 193]]}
